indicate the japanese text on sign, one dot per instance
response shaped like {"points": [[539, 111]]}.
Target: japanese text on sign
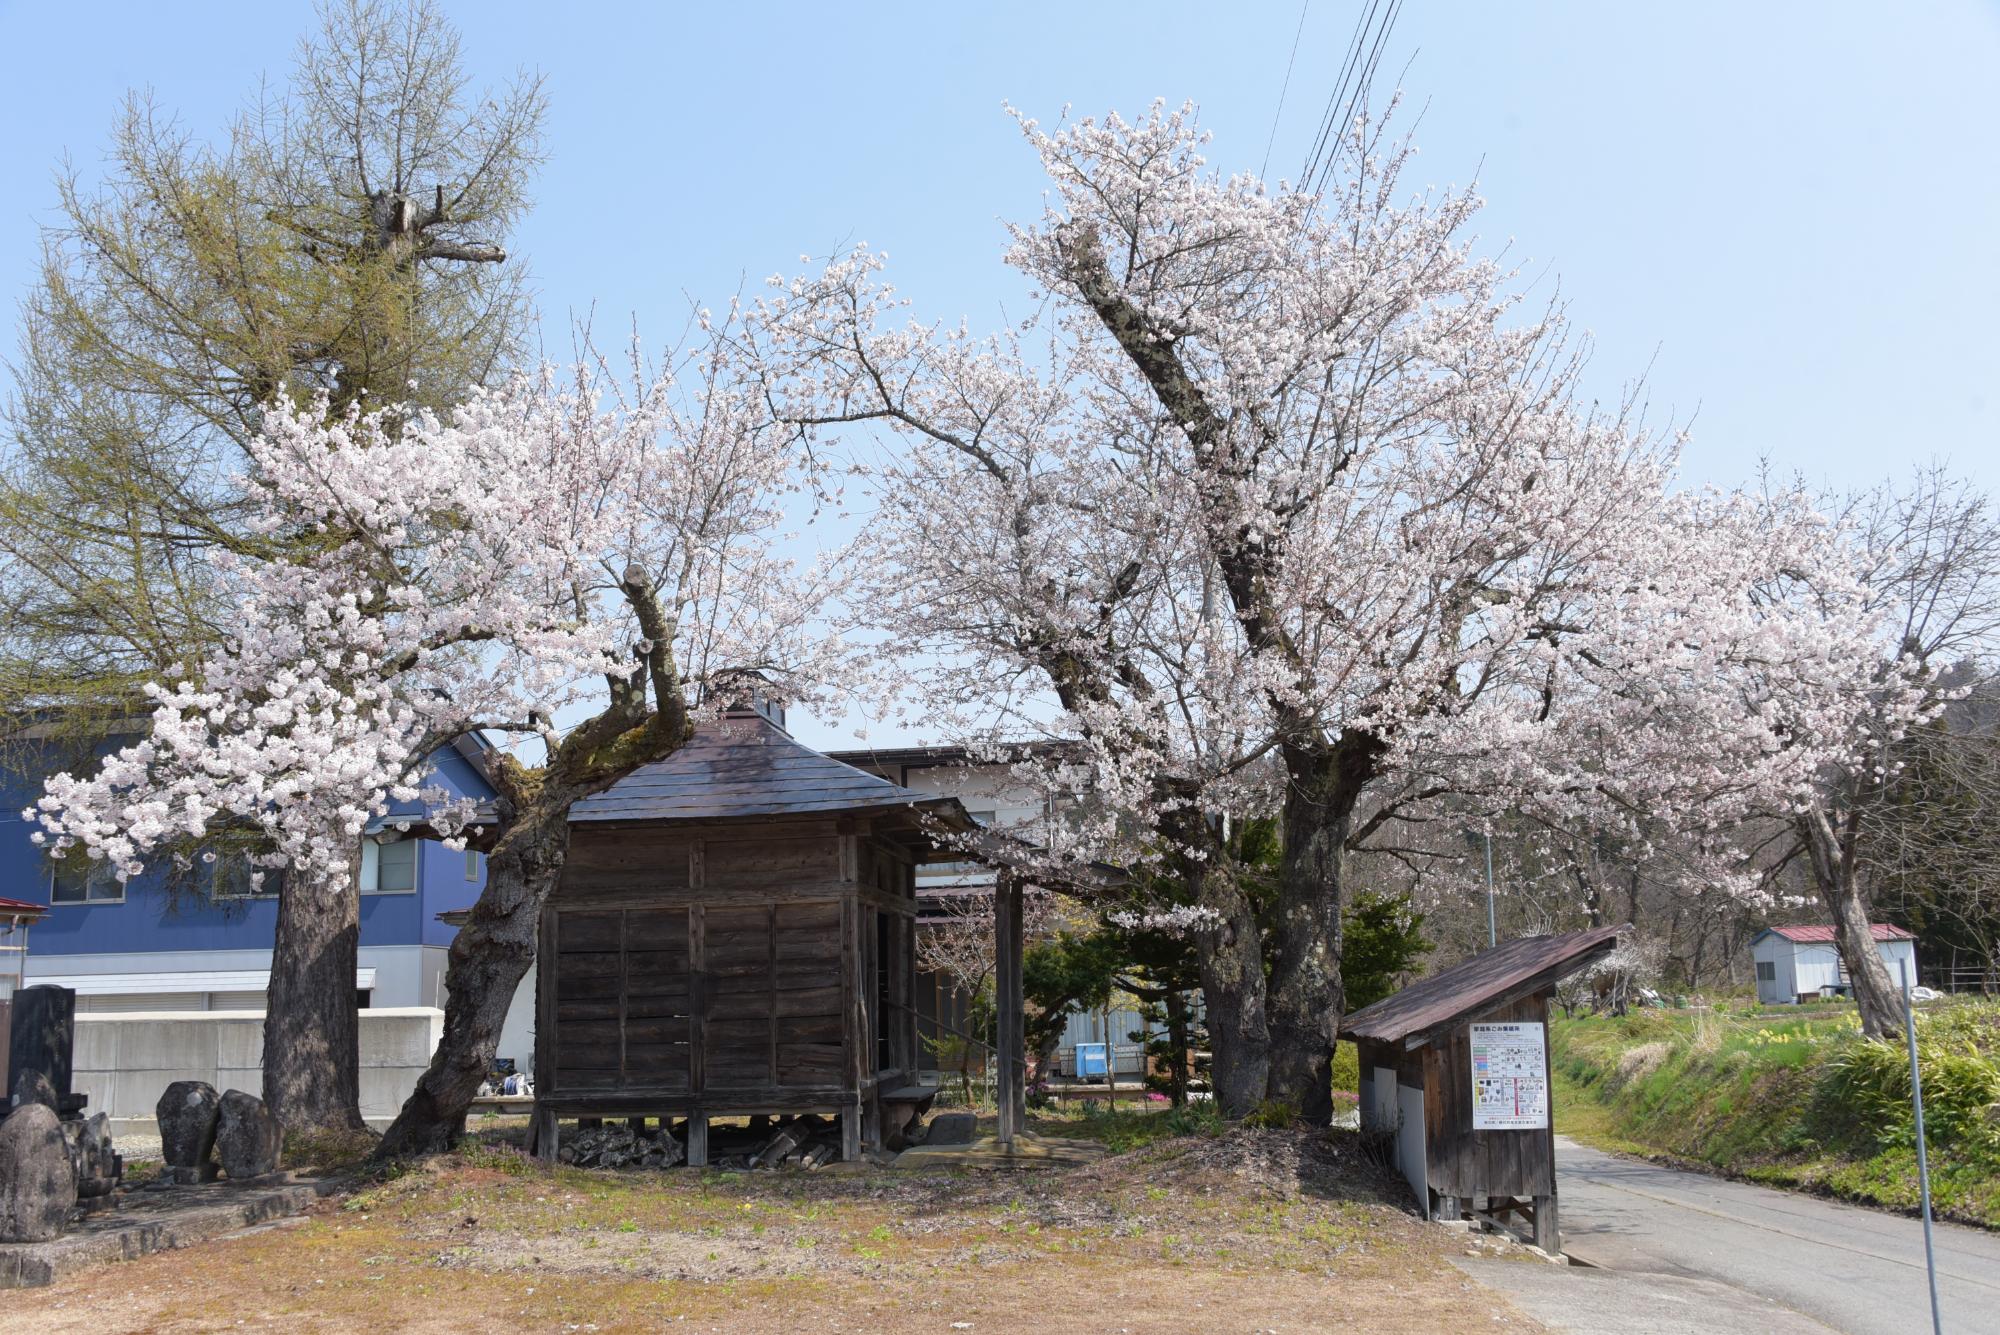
{"points": [[1510, 1077]]}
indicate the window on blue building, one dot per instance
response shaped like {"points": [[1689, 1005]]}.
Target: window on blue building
{"points": [[388, 867], [75, 881], [471, 864], [234, 876]]}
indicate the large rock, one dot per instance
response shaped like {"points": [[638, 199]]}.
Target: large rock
{"points": [[188, 1113], [37, 1179], [31, 1086], [952, 1128], [247, 1139]]}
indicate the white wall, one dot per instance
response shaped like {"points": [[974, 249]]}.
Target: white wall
{"points": [[517, 1033], [1774, 950], [1894, 955], [1804, 968], [1813, 967], [979, 787], [125, 1062], [404, 975], [1410, 1155], [1380, 1111]]}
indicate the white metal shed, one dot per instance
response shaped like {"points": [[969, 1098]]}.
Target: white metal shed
{"points": [[1794, 963]]}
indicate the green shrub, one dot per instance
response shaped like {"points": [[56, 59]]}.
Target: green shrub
{"points": [[1863, 1097]]}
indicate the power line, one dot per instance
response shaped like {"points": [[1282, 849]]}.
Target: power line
{"points": [[1350, 91], [1328, 118], [1284, 88]]}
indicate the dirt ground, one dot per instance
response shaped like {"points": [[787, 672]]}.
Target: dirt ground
{"points": [[1253, 1231]]}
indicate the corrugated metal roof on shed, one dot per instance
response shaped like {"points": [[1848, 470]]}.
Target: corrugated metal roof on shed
{"points": [[1524, 964], [1818, 934], [744, 766]]}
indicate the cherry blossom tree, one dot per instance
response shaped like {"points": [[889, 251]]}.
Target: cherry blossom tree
{"points": [[537, 553], [1926, 563], [1283, 500]]}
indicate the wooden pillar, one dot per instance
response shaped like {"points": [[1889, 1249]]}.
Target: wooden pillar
{"points": [[902, 997], [854, 1008], [1008, 1005], [913, 1041], [698, 1003], [698, 998], [542, 1135], [1547, 1235], [850, 1133]]}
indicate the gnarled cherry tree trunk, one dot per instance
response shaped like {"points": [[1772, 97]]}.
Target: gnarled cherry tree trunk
{"points": [[490, 956], [1230, 958]]}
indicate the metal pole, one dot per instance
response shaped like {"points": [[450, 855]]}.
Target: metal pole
{"points": [[1492, 928], [1923, 1159]]}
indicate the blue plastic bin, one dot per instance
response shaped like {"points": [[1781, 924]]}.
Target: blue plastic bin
{"points": [[1092, 1060]]}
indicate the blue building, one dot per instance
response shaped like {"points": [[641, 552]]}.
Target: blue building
{"points": [[147, 946]]}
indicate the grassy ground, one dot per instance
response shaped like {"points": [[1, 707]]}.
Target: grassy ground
{"points": [[1793, 1097], [1248, 1230]]}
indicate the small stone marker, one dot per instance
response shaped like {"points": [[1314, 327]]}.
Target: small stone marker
{"points": [[37, 1179], [188, 1113], [98, 1167], [42, 1034], [952, 1128], [247, 1139]]}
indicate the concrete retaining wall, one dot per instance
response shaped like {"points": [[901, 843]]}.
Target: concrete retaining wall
{"points": [[124, 1062]]}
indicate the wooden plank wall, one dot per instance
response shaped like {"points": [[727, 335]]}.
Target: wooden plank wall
{"points": [[690, 965], [1467, 1163], [623, 1000]]}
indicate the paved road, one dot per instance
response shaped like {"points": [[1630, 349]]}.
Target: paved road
{"points": [[1859, 1271], [1573, 1300]]}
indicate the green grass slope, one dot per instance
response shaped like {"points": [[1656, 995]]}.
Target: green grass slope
{"points": [[1794, 1097]]}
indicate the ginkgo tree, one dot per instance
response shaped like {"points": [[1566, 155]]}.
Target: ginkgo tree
{"points": [[541, 563], [1284, 501]]}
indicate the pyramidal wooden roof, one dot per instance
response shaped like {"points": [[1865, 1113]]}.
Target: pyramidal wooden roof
{"points": [[743, 766], [1507, 971]]}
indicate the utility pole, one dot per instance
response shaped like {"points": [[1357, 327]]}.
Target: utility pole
{"points": [[1492, 921], [1923, 1158]]}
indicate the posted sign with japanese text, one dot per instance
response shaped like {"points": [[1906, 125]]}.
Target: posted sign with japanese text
{"points": [[1510, 1077]]}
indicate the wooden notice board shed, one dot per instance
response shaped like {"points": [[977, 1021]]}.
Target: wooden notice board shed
{"points": [[734, 935], [1456, 1067]]}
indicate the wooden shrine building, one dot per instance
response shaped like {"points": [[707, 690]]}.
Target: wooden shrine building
{"points": [[1456, 1068], [734, 935]]}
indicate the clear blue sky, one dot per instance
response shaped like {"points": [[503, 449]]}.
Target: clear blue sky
{"points": [[1788, 212]]}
